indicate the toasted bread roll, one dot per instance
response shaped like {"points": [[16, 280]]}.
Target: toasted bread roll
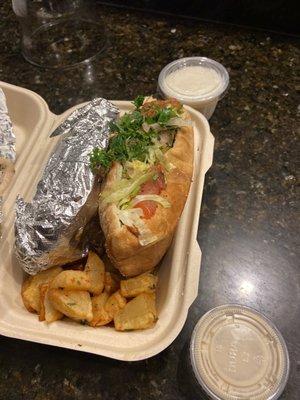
{"points": [[126, 250]]}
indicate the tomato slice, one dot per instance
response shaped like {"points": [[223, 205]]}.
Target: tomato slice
{"points": [[160, 181], [153, 186], [150, 187], [148, 207]]}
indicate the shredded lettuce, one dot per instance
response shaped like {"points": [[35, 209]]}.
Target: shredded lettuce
{"points": [[124, 202], [135, 168], [155, 154], [128, 186], [179, 122], [162, 159], [151, 158]]}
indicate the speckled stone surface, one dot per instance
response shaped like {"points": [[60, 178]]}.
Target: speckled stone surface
{"points": [[248, 228]]}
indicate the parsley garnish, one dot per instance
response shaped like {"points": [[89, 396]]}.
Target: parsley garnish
{"points": [[99, 157], [138, 101], [162, 116], [129, 141]]}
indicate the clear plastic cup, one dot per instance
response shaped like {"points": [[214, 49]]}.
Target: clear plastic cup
{"points": [[205, 102], [238, 353], [59, 34]]}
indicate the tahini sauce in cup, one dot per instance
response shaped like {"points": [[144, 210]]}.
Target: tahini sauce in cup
{"points": [[196, 81]]}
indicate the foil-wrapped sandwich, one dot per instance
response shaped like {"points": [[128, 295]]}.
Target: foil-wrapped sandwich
{"points": [[7, 150], [49, 228]]}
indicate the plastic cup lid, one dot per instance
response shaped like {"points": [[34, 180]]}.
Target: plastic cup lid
{"points": [[237, 353]]}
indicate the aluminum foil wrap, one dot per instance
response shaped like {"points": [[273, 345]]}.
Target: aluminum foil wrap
{"points": [[7, 150], [7, 137], [49, 228]]}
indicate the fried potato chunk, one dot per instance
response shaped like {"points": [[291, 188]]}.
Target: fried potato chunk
{"points": [[31, 288], [95, 295], [95, 271], [71, 280], [145, 283], [47, 312], [114, 304], [27, 296], [139, 313], [75, 304], [100, 315], [112, 283]]}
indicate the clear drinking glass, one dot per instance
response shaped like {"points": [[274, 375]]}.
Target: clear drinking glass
{"points": [[59, 33]]}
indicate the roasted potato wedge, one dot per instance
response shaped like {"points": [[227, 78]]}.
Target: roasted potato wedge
{"points": [[47, 312], [100, 315], [27, 297], [114, 304], [75, 304], [43, 290], [112, 283], [71, 280], [31, 287], [139, 313], [95, 295], [95, 271], [145, 283]]}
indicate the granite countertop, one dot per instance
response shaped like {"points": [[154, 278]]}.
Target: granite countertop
{"points": [[248, 224]]}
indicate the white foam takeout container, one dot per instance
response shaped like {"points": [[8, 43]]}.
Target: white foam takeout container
{"points": [[179, 271]]}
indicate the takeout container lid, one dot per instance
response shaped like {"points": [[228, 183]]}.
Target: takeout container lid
{"points": [[207, 101], [237, 353], [179, 270]]}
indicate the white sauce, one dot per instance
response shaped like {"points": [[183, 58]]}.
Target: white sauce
{"points": [[193, 80]]}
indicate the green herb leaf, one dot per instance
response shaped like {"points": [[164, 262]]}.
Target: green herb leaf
{"points": [[138, 101], [100, 157], [129, 141], [165, 115], [161, 115]]}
